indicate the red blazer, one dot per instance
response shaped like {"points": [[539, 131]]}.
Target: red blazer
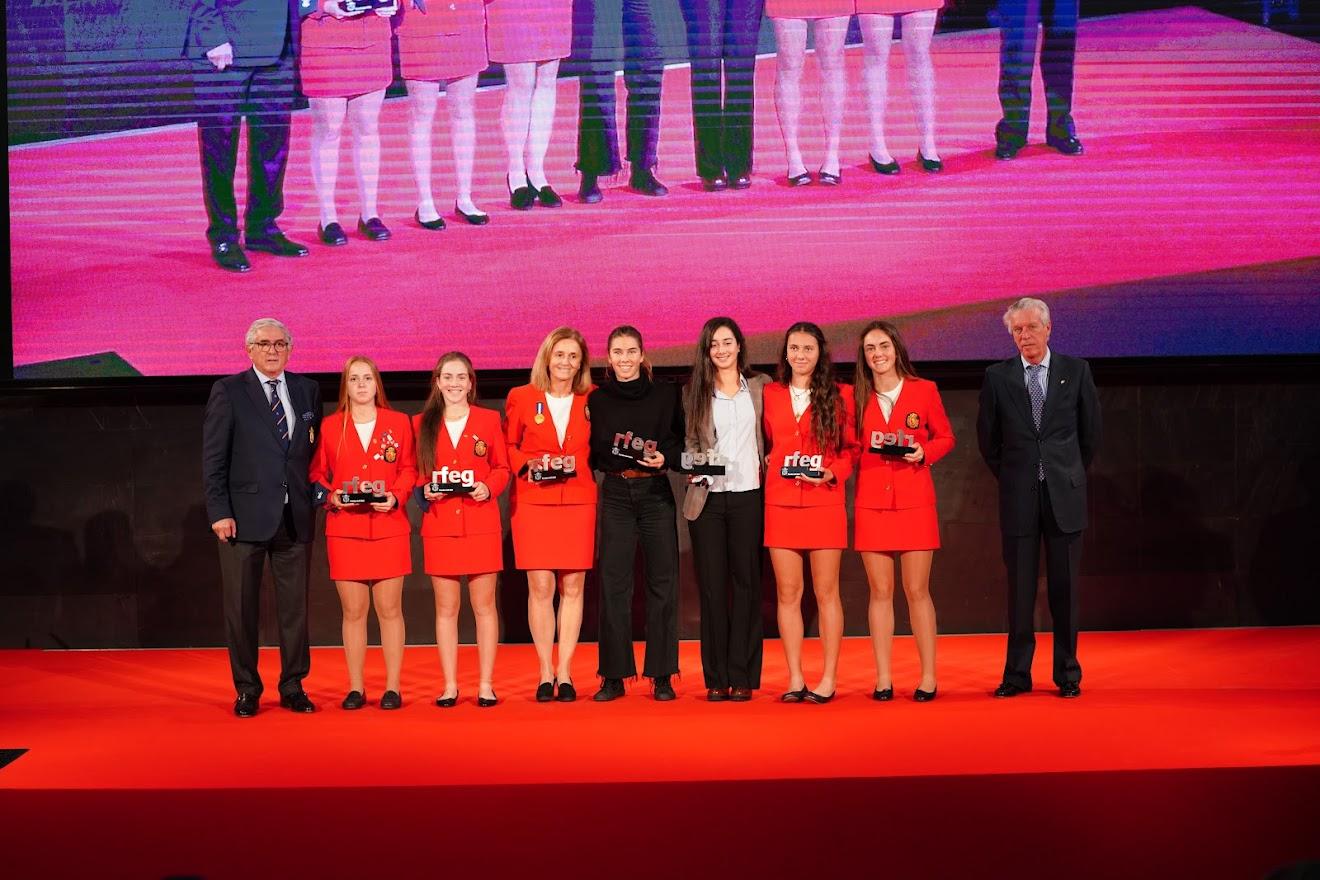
{"points": [[481, 449], [892, 483], [441, 19], [340, 457], [785, 434], [529, 440]]}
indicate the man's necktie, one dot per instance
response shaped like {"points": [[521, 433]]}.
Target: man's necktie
{"points": [[1036, 391], [282, 419]]}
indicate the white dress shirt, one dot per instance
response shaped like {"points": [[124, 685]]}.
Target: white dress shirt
{"points": [[734, 421]]}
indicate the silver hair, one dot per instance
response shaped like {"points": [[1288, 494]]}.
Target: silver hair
{"points": [[267, 322], [1027, 302]]}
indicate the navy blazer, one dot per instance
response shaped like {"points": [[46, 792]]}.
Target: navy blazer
{"points": [[1066, 442], [244, 465], [257, 29]]}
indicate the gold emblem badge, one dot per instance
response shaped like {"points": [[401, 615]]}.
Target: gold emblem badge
{"points": [[390, 454], [479, 448], [913, 420], [539, 419], [311, 435]]}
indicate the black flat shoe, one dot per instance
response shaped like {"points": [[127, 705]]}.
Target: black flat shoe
{"points": [[827, 179], [1069, 146], [487, 702], [740, 695], [545, 692], [275, 243], [474, 219], [373, 229], [354, 700], [802, 179], [548, 198], [930, 166], [391, 700], [644, 183], [883, 696], [298, 702], [714, 184], [664, 691], [717, 695], [434, 225], [566, 692], [523, 198], [446, 702], [589, 189], [332, 235], [742, 181], [230, 257], [1070, 690], [246, 705], [1008, 689], [813, 697], [890, 167], [924, 696], [610, 689], [796, 696], [1005, 150]]}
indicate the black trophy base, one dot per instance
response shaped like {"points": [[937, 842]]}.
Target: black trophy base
{"points": [[450, 489], [551, 476], [791, 472], [893, 450], [707, 470], [361, 498]]}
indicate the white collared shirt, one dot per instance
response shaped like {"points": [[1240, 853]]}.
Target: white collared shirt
{"points": [[887, 400], [734, 421], [1044, 376], [560, 409]]}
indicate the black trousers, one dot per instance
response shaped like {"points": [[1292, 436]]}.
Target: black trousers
{"points": [[1019, 21], [1063, 555], [265, 96], [633, 511], [726, 547], [241, 564], [722, 37], [598, 49]]}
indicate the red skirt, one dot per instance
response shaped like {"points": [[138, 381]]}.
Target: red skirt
{"points": [[824, 527], [911, 528], [529, 30], [443, 44], [328, 68], [554, 537], [470, 554], [808, 8], [369, 559], [896, 7]]}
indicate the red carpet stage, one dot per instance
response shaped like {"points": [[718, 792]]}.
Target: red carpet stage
{"points": [[1203, 163], [1190, 754]]}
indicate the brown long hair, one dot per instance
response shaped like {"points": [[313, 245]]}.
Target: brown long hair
{"points": [[628, 331], [863, 387], [434, 409], [826, 401], [382, 402], [541, 366], [701, 387]]}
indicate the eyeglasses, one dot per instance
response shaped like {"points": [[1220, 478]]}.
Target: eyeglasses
{"points": [[279, 345]]}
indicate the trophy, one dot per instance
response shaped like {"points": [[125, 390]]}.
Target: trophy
{"points": [[703, 464], [550, 469], [357, 7], [452, 481], [796, 464], [632, 447], [892, 444], [363, 492]]}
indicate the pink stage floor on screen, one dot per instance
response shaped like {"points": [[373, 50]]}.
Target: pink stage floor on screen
{"points": [[1203, 154]]}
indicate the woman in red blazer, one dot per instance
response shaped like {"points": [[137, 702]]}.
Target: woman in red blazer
{"points": [[895, 499], [460, 448], [367, 448], [547, 426], [808, 422]]}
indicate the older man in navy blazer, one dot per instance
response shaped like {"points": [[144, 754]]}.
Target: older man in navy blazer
{"points": [[243, 62], [1038, 427], [258, 438]]}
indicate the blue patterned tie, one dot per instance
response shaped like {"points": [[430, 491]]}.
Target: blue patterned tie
{"points": [[277, 410], [1036, 391]]}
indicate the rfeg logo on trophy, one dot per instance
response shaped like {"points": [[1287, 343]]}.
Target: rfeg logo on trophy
{"points": [[633, 447], [452, 481], [703, 464], [549, 468], [357, 491], [799, 464], [896, 443]]}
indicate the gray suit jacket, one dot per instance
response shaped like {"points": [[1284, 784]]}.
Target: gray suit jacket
{"points": [[695, 499]]}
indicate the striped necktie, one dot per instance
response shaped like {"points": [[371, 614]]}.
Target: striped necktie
{"points": [[277, 410], [1036, 391]]}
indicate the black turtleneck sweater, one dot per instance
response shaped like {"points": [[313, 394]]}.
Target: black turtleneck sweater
{"points": [[650, 410]]}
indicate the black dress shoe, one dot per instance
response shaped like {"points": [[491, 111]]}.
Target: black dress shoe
{"points": [[802, 179], [275, 243], [827, 179], [589, 190], [548, 198], [714, 184], [644, 182], [474, 219], [740, 695], [796, 696], [1070, 690], [374, 229], [610, 689], [545, 692], [298, 702], [924, 696], [1008, 689], [354, 700], [890, 167], [434, 225], [522, 198], [813, 697], [332, 235], [246, 705], [717, 695], [566, 693], [663, 690], [742, 181], [487, 702], [446, 702], [930, 166], [883, 696], [230, 257], [1005, 150], [391, 700], [1069, 146]]}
